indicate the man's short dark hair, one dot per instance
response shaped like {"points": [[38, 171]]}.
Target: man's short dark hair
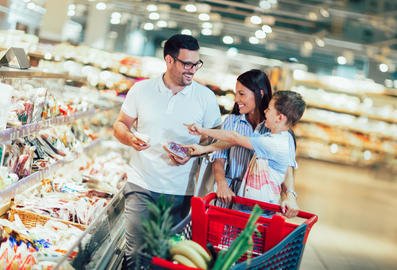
{"points": [[179, 41], [291, 104]]}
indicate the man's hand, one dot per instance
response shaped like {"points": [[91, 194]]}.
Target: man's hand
{"points": [[224, 193], [289, 206], [177, 160], [138, 144]]}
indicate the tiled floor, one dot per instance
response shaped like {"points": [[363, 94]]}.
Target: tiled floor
{"points": [[357, 209]]}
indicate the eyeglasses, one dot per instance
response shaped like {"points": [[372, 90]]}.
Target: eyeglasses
{"points": [[189, 65]]}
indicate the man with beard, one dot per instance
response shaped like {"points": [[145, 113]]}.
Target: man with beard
{"points": [[152, 115]]}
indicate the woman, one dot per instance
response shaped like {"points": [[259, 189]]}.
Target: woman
{"points": [[253, 93]]}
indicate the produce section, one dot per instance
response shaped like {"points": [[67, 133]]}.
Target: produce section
{"points": [[59, 183]]}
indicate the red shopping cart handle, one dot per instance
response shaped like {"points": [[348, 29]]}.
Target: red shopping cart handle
{"points": [[311, 218]]}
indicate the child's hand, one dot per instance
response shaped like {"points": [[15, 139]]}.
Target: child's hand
{"points": [[196, 149], [194, 129]]}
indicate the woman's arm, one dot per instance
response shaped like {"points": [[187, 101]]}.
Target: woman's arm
{"points": [[223, 192], [289, 205]]}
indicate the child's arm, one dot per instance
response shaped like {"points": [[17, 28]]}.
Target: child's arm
{"points": [[230, 137], [196, 149]]}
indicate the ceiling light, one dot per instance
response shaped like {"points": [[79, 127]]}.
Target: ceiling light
{"points": [[320, 42], [383, 67], [154, 16], [260, 34], [190, 8], [264, 4], [341, 60], [151, 8], [206, 32], [256, 19], [324, 12], [267, 29], [186, 32], [253, 40], [227, 40], [101, 6], [162, 23], [206, 25], [148, 26], [72, 6], [116, 15], [204, 17], [272, 2]]}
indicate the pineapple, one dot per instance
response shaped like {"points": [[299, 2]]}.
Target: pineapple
{"points": [[157, 228]]}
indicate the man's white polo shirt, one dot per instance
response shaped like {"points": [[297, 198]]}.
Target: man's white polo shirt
{"points": [[161, 116]]}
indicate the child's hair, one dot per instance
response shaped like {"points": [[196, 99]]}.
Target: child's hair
{"points": [[290, 104]]}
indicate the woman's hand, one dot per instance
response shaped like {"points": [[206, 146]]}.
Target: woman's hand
{"points": [[194, 129], [289, 206], [223, 192]]}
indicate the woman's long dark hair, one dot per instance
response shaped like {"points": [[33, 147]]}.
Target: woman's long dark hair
{"points": [[256, 80]]}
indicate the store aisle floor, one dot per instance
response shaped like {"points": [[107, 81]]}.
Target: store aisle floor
{"points": [[357, 227]]}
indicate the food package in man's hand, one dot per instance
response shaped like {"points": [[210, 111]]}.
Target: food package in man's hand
{"points": [[177, 149]]}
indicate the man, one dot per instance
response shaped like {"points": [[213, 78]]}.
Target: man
{"points": [[158, 108]]}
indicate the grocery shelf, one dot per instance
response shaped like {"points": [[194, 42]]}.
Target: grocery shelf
{"points": [[373, 148], [350, 128], [52, 58], [38, 73], [115, 68], [322, 86], [352, 112], [30, 129], [27, 182], [30, 73]]}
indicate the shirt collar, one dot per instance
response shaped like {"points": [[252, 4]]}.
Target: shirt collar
{"points": [[164, 89], [242, 118]]}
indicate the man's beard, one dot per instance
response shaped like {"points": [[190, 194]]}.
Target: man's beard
{"points": [[184, 82]]}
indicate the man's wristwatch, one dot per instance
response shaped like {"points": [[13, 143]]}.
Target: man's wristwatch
{"points": [[292, 192]]}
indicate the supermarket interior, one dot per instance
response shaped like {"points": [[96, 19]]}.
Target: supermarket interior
{"points": [[66, 67]]}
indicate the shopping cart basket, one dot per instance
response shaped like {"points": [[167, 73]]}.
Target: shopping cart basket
{"points": [[280, 244]]}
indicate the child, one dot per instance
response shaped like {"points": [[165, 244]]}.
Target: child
{"points": [[275, 149]]}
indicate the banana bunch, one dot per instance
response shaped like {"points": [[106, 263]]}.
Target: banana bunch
{"points": [[190, 253]]}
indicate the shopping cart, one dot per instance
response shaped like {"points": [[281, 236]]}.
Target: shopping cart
{"points": [[280, 244]]}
